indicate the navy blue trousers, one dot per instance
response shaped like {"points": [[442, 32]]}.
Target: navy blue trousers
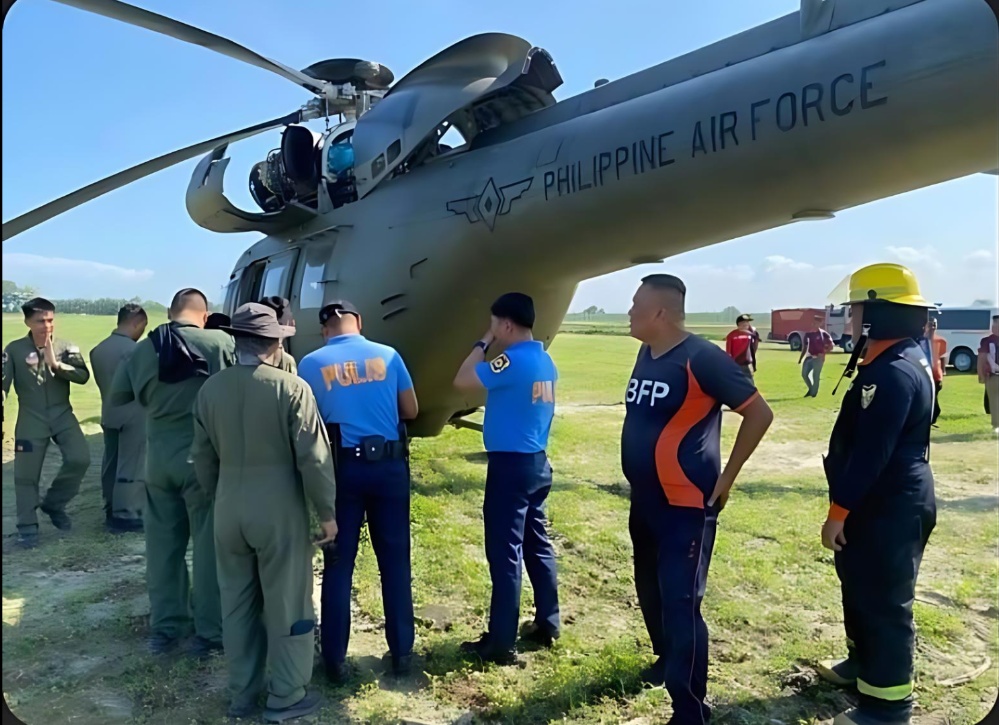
{"points": [[673, 548], [878, 569], [517, 485], [380, 490]]}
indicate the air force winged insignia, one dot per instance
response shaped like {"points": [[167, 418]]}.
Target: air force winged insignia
{"points": [[491, 203], [500, 364], [867, 395]]}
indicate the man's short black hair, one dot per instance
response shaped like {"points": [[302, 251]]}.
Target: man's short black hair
{"points": [[36, 304], [516, 307], [666, 281], [179, 301], [130, 312], [995, 317]]}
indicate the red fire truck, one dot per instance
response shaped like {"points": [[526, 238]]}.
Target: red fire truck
{"points": [[789, 325]]}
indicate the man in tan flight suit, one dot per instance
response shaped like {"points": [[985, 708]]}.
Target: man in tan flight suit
{"points": [[262, 452], [123, 471], [164, 375], [282, 308], [41, 369]]}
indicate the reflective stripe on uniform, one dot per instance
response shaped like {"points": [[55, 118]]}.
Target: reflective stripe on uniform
{"points": [[896, 692]]}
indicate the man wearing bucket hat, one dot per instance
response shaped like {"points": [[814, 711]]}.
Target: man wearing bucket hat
{"points": [[882, 505], [262, 453], [282, 308]]}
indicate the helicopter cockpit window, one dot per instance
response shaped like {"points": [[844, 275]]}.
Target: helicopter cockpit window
{"points": [[231, 294]]}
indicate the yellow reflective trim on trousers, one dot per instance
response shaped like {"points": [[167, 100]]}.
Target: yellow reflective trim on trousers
{"points": [[897, 692]]}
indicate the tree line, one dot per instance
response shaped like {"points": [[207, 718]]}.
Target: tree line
{"points": [[15, 296]]}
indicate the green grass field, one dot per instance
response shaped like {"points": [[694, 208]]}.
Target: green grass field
{"points": [[75, 610]]}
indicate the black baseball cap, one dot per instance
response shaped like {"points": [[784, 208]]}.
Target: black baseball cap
{"points": [[338, 308], [516, 307], [744, 318], [281, 307]]}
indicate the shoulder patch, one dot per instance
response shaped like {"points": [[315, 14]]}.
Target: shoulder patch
{"points": [[500, 364], [867, 395]]}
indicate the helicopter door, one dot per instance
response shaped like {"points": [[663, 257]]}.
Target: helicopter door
{"points": [[309, 294]]}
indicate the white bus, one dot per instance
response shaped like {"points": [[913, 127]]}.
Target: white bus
{"points": [[963, 328]]}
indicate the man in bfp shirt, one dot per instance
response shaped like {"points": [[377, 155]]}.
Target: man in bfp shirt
{"points": [[520, 405], [364, 389], [670, 454]]}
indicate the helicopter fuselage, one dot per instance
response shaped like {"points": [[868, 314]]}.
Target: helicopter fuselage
{"points": [[637, 170]]}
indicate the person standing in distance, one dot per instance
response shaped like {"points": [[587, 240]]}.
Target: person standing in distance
{"points": [[164, 375], [41, 370], [882, 504], [262, 454], [520, 405], [935, 349], [671, 456], [364, 393], [988, 372], [814, 347], [740, 344], [123, 470], [282, 308]]}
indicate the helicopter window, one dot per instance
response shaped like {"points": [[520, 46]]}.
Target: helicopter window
{"points": [[277, 276], [311, 294], [378, 166]]}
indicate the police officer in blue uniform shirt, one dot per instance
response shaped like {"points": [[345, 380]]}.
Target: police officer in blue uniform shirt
{"points": [[520, 405], [364, 391]]}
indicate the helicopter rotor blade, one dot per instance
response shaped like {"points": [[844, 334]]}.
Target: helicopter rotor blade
{"points": [[187, 33], [98, 188]]}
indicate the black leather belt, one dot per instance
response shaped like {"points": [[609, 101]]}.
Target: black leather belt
{"points": [[372, 452]]}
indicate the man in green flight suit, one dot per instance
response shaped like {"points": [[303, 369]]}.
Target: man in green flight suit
{"points": [[164, 374], [123, 470], [41, 369], [262, 453]]}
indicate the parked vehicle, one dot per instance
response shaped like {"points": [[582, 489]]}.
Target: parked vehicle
{"points": [[789, 325], [963, 328]]}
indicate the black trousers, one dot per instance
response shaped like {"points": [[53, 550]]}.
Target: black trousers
{"points": [[877, 569], [936, 401], [380, 491], [673, 548]]}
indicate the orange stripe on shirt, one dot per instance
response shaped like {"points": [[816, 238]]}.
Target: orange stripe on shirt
{"points": [[680, 490]]}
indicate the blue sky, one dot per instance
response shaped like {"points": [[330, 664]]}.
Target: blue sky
{"points": [[85, 96]]}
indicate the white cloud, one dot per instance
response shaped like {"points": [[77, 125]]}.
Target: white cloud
{"points": [[776, 263], [980, 257], [62, 278], [927, 256], [39, 265]]}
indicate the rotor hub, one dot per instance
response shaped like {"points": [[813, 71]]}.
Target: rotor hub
{"points": [[362, 74]]}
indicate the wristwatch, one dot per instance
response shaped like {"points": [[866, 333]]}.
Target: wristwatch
{"points": [[483, 345]]}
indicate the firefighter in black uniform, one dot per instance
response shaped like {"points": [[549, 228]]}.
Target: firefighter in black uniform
{"points": [[882, 506]]}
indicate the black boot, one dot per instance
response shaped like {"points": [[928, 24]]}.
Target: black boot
{"points": [[59, 518], [485, 652], [655, 674]]}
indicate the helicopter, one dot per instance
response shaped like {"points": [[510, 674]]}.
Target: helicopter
{"points": [[836, 105]]}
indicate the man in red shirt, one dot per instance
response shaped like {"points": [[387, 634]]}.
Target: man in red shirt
{"points": [[814, 347], [988, 371], [740, 344]]}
